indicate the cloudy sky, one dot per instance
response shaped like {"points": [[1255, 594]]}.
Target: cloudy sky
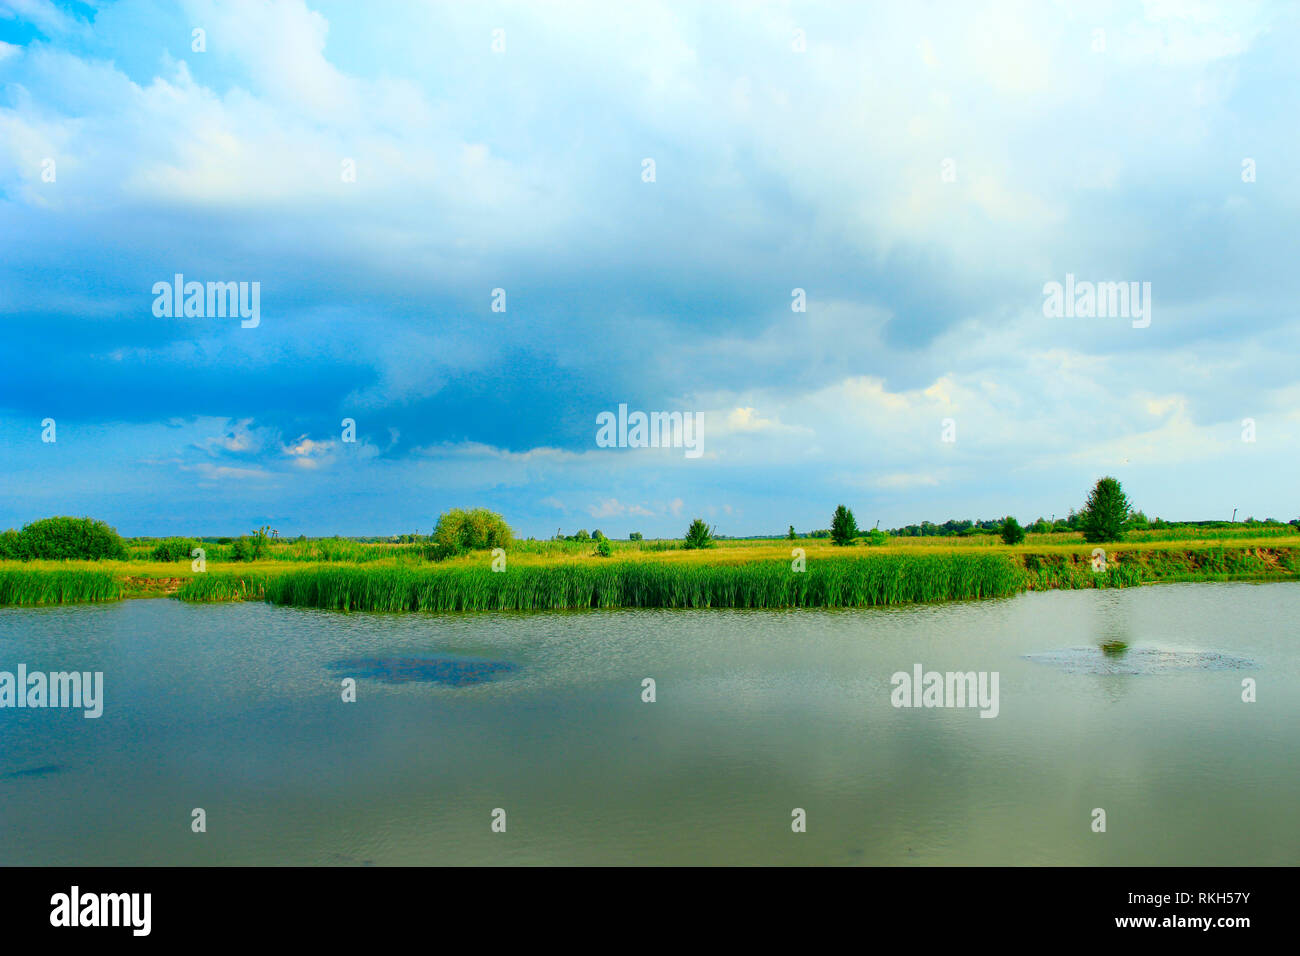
{"points": [[920, 170]]}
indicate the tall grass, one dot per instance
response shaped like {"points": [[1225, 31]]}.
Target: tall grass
{"points": [[215, 588], [27, 588], [838, 582]]}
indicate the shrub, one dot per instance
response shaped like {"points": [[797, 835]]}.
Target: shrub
{"points": [[603, 548], [634, 536], [1105, 512], [63, 539], [1011, 532], [790, 535], [876, 537], [250, 547], [459, 531], [844, 527], [699, 535], [9, 546]]}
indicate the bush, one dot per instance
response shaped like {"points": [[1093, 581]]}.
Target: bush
{"points": [[459, 531], [1105, 512], [790, 535], [250, 547], [844, 527], [1011, 532], [64, 539], [699, 535], [9, 546], [603, 548], [173, 549], [876, 537], [634, 536]]}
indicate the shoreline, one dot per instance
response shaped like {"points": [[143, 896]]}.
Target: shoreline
{"points": [[842, 578]]}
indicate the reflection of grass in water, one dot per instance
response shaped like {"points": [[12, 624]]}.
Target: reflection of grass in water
{"points": [[1114, 648]]}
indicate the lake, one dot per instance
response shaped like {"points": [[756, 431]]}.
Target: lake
{"points": [[238, 709]]}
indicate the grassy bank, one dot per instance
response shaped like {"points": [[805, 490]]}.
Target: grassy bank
{"points": [[753, 574], [1128, 568], [28, 587]]}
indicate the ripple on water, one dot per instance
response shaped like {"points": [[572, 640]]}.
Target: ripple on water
{"points": [[45, 770], [443, 669], [1137, 660]]}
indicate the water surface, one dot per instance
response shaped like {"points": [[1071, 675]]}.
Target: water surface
{"points": [[238, 709]]}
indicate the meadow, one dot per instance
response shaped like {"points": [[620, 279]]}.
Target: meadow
{"points": [[758, 573]]}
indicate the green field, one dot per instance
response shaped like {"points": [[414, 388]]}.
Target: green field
{"points": [[352, 575]]}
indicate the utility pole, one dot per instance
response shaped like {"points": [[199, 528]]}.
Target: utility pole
{"points": [[1234, 514]]}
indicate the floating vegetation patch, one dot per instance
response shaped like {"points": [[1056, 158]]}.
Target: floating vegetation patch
{"points": [[1115, 657], [446, 670]]}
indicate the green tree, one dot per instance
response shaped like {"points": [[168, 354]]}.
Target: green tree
{"points": [[1104, 514], [63, 539], [791, 535], [459, 531], [1012, 533], [635, 536], [844, 527], [699, 535]]}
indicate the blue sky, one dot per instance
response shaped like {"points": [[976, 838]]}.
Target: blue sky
{"points": [[920, 170]]}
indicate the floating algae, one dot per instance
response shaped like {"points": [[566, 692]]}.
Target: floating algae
{"points": [[1117, 658]]}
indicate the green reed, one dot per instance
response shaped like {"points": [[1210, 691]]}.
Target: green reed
{"points": [[27, 588], [835, 582], [213, 588]]}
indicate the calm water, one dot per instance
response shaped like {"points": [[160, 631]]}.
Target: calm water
{"points": [[237, 709]]}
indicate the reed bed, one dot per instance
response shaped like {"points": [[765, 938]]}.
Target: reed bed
{"points": [[30, 588], [218, 588], [838, 582]]}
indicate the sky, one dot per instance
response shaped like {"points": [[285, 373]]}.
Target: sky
{"points": [[655, 189]]}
